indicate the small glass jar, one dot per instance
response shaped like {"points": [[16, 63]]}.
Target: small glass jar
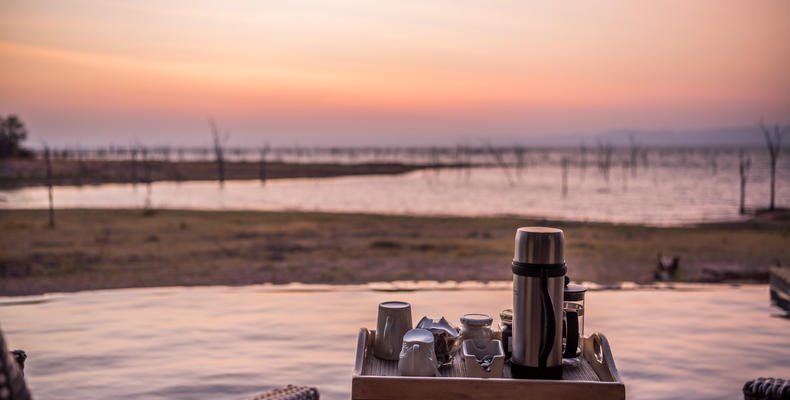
{"points": [[476, 326], [507, 332]]}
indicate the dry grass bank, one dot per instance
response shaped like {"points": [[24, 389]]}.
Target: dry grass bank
{"points": [[32, 172], [93, 249]]}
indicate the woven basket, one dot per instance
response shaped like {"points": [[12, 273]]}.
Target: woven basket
{"points": [[767, 389], [289, 392]]}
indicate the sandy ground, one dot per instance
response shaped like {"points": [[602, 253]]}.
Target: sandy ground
{"points": [[96, 249]]}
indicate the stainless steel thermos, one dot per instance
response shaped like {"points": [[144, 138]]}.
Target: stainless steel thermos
{"points": [[538, 283]]}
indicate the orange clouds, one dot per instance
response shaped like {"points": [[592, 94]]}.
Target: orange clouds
{"points": [[339, 59]]}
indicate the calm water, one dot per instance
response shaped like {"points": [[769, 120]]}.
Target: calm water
{"points": [[699, 342], [672, 188]]}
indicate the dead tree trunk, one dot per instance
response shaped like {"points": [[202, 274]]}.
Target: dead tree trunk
{"points": [[624, 176], [583, 158], [146, 165], [218, 152], [605, 158], [49, 188], [497, 155], [564, 176], [80, 167], [519, 152], [774, 146], [134, 165], [147, 205], [634, 154], [262, 164], [744, 165]]}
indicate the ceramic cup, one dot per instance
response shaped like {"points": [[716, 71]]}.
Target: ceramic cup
{"points": [[393, 322], [417, 357]]}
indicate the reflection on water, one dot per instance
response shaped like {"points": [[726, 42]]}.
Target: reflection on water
{"points": [[229, 342], [661, 195]]}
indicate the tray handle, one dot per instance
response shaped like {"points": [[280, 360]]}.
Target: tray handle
{"points": [[598, 353], [362, 348]]}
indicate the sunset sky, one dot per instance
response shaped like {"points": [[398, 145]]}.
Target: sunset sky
{"points": [[88, 72]]}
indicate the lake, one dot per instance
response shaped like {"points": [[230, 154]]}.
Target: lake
{"points": [[672, 188], [673, 341]]}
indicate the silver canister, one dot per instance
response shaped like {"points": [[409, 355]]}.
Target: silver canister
{"points": [[538, 281]]}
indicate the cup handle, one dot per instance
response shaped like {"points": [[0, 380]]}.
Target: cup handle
{"points": [[415, 348], [572, 337]]}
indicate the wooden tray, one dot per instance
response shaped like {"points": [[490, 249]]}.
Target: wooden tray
{"points": [[594, 378]]}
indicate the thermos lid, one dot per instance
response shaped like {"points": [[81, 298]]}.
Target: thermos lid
{"points": [[507, 316], [539, 245], [574, 292], [476, 320]]}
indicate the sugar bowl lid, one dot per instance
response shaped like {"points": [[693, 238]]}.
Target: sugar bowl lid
{"points": [[476, 320]]}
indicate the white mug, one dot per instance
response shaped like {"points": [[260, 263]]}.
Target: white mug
{"points": [[393, 322], [417, 357]]}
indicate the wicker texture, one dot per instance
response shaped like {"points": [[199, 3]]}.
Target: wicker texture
{"points": [[767, 389], [289, 392], [12, 383]]}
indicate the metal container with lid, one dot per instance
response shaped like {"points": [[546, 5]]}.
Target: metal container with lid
{"points": [[538, 281]]}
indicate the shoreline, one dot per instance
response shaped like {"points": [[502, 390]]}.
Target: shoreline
{"points": [[107, 249], [18, 173], [383, 287]]}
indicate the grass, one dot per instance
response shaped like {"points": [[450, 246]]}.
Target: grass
{"points": [[96, 249]]}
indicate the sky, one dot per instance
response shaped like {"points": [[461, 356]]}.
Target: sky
{"points": [[390, 72]]}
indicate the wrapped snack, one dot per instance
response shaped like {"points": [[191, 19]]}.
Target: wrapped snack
{"points": [[444, 337]]}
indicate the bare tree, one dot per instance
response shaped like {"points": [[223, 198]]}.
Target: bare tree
{"points": [[435, 160], [262, 163], [605, 158], [49, 187], [623, 175], [133, 155], [583, 157], [147, 205], [12, 134], [744, 165], [496, 154], [519, 152], [146, 165], [774, 143], [634, 148], [218, 151], [564, 163], [80, 167]]}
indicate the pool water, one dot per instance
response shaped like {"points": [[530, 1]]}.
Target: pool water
{"points": [[679, 341]]}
